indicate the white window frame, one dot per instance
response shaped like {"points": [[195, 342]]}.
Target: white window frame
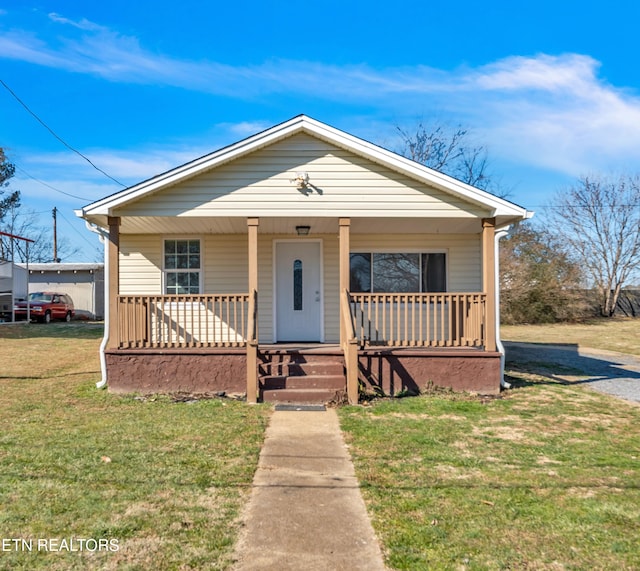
{"points": [[413, 250], [166, 270]]}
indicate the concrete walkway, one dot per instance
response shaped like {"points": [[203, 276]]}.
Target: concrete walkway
{"points": [[305, 510]]}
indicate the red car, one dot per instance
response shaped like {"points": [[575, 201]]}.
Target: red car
{"points": [[45, 306]]}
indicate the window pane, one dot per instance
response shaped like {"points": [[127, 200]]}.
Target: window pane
{"points": [[297, 285], [194, 247], [397, 273], [170, 262], [194, 282], [194, 261], [182, 283], [360, 272], [182, 246], [169, 246], [182, 261], [434, 272]]}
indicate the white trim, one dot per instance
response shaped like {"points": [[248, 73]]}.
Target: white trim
{"points": [[275, 242], [163, 270]]}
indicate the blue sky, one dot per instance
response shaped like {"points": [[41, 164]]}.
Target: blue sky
{"points": [[552, 89]]}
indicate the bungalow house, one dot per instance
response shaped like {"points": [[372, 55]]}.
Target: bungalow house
{"points": [[301, 264]]}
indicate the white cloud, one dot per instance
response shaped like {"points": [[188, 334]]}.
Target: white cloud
{"points": [[551, 111], [83, 24]]}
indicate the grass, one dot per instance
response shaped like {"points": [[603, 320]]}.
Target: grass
{"points": [[618, 334], [166, 479], [545, 477]]}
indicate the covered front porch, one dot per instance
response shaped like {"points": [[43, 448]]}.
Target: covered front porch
{"points": [[384, 342]]}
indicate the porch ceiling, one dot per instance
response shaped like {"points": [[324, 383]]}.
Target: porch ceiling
{"points": [[279, 225]]}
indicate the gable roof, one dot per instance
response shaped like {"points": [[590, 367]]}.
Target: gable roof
{"points": [[504, 210]]}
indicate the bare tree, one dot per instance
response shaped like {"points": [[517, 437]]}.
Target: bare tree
{"points": [[7, 170], [21, 222], [539, 282], [599, 219], [451, 151]]}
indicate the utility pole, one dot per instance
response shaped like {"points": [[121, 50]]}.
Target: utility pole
{"points": [[55, 235]]}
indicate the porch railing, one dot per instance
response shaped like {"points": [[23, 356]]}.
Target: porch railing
{"points": [[419, 319], [179, 321]]}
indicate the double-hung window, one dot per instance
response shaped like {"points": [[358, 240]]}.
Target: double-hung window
{"points": [[182, 266], [398, 272]]}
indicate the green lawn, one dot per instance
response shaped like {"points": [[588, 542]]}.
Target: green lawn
{"points": [[618, 334], [166, 480], [547, 477]]}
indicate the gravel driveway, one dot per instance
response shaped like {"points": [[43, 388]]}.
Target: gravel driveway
{"points": [[617, 374]]}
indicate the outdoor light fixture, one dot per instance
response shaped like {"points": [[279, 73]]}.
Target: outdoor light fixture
{"points": [[301, 180], [303, 230]]}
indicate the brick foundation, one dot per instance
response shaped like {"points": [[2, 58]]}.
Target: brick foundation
{"points": [[390, 371], [166, 371], [395, 370]]}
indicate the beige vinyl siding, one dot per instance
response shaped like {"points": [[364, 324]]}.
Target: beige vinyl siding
{"points": [[342, 184], [464, 262], [140, 264], [225, 267], [332, 289], [226, 263]]}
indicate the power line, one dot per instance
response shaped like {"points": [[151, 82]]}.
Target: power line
{"points": [[56, 136], [75, 229], [48, 185]]}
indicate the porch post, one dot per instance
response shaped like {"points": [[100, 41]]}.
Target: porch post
{"points": [[489, 280], [345, 229], [252, 227], [252, 336], [113, 287]]}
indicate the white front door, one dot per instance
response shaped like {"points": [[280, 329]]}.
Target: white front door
{"points": [[298, 291]]}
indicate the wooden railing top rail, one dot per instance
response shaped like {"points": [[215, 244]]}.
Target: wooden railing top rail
{"points": [[357, 296], [187, 297]]}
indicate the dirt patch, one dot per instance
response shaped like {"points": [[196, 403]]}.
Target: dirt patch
{"points": [[502, 432]]}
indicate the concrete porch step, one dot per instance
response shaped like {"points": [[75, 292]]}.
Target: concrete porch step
{"points": [[301, 396], [290, 365], [301, 375], [335, 382], [291, 369]]}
